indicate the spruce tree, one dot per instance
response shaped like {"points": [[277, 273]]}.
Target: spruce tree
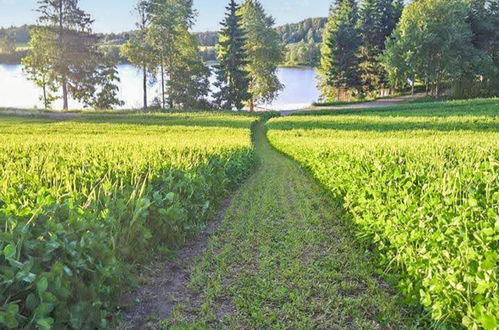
{"points": [[265, 52], [339, 69], [377, 20], [232, 77]]}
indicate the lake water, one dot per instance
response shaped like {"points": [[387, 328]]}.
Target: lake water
{"points": [[16, 91]]}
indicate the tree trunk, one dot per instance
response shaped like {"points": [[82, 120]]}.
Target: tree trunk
{"points": [[437, 85], [145, 86], [170, 68], [413, 84], [163, 83], [252, 104], [65, 93], [45, 95], [61, 45]]}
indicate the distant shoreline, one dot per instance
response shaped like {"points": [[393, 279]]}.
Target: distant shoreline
{"points": [[209, 63]]}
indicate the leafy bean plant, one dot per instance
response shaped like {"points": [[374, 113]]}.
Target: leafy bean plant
{"points": [[83, 201], [422, 183]]}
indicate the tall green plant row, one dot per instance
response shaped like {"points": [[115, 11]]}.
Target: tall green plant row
{"points": [[422, 184], [82, 202]]}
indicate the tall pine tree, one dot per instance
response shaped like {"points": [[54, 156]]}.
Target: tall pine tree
{"points": [[377, 20], [339, 69], [265, 52], [76, 65], [232, 77]]}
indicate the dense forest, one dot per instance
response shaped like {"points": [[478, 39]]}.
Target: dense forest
{"points": [[301, 39], [447, 46]]}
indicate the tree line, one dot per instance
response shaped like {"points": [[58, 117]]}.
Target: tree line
{"points": [[65, 59], [367, 46], [439, 44], [301, 40]]}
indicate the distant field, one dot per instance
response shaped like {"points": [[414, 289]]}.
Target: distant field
{"points": [[421, 181], [81, 201]]}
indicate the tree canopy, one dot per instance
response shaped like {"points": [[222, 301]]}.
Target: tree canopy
{"points": [[264, 53], [432, 43], [339, 62], [72, 58]]}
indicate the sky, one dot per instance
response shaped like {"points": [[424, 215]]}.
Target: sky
{"points": [[116, 15]]}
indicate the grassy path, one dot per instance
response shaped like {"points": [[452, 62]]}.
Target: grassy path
{"points": [[283, 258], [379, 103]]}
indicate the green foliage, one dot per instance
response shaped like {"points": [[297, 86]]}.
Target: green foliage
{"points": [[482, 79], [433, 44], [189, 83], [71, 56], [177, 55], [421, 182], [105, 93], [301, 53], [207, 39], [339, 61], [377, 20], [7, 45], [264, 53], [232, 77], [39, 67], [83, 201], [309, 30], [20, 34], [208, 53]]}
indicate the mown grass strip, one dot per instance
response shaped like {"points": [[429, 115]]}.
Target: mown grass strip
{"points": [[285, 258]]}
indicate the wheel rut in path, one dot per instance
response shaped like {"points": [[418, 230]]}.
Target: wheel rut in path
{"points": [[284, 256]]}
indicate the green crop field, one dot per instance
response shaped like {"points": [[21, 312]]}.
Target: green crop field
{"points": [[388, 218], [421, 182], [84, 200]]}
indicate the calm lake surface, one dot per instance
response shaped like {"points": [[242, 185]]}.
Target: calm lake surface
{"points": [[16, 91]]}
